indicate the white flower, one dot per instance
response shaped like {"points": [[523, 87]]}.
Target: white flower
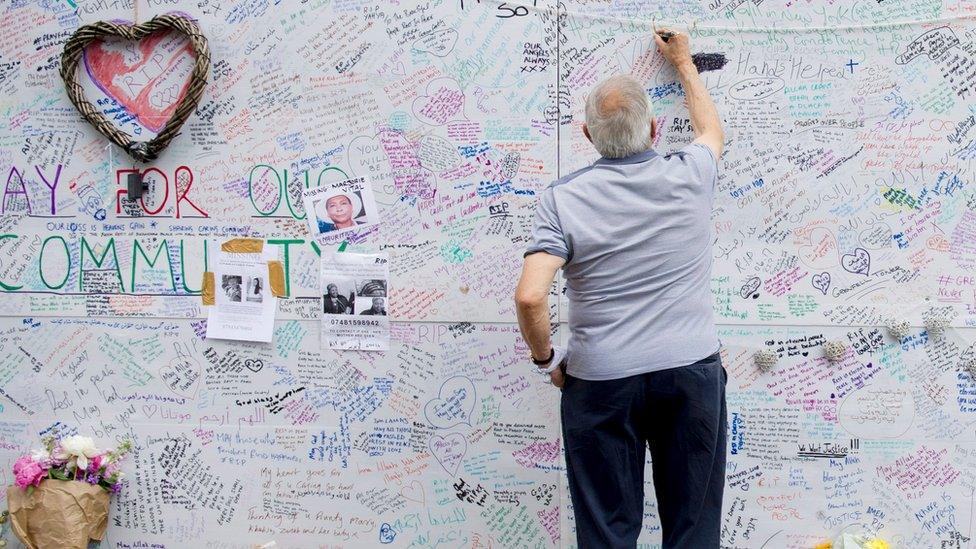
{"points": [[77, 448], [40, 455]]}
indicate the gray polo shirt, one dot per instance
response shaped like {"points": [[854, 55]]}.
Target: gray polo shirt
{"points": [[636, 236]]}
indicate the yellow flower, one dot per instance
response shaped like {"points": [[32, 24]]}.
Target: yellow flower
{"points": [[824, 545], [876, 543]]}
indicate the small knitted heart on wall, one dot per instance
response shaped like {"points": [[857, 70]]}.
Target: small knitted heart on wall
{"points": [[136, 66], [835, 350], [899, 329], [765, 359], [967, 361], [938, 319]]}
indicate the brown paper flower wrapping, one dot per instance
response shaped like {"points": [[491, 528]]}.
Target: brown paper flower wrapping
{"points": [[62, 514]]}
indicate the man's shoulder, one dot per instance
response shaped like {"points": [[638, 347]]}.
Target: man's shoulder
{"points": [[695, 152], [696, 159], [570, 177]]}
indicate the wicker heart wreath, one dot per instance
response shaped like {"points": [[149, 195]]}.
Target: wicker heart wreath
{"points": [[143, 151]]}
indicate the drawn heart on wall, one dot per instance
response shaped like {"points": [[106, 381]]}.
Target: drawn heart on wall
{"points": [[453, 405], [821, 282], [510, 165], [414, 492], [877, 237], [449, 450], [442, 102], [820, 252], [750, 288], [437, 154], [182, 376], [366, 156], [140, 77], [254, 364], [858, 262], [439, 43]]}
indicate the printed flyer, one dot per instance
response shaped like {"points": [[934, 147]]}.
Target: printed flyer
{"points": [[354, 301], [244, 307]]}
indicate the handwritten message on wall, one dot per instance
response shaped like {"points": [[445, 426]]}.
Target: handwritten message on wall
{"points": [[845, 202]]}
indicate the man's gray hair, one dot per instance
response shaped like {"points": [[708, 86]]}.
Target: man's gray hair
{"points": [[618, 117]]}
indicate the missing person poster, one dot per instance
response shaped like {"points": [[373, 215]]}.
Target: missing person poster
{"points": [[334, 208], [354, 301], [244, 307]]}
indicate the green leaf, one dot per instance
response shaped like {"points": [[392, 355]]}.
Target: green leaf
{"points": [[59, 474], [30, 490]]}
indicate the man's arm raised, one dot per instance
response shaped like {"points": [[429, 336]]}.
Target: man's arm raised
{"points": [[704, 116]]}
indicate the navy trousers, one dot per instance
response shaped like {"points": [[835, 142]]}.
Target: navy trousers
{"points": [[680, 415]]}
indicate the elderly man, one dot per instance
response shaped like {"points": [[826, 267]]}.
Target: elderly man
{"points": [[642, 368]]}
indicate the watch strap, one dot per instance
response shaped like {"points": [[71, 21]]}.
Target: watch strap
{"points": [[552, 353], [555, 362]]}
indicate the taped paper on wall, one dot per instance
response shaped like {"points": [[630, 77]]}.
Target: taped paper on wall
{"points": [[244, 307]]}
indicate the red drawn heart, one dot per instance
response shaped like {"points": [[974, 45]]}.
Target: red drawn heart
{"points": [[148, 78], [144, 68]]}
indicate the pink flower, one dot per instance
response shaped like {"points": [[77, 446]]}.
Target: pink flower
{"points": [[58, 457], [96, 463], [28, 472]]}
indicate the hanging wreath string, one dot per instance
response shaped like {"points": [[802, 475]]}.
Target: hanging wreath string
{"points": [[143, 151]]}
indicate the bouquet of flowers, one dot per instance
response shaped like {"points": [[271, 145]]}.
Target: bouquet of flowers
{"points": [[61, 492], [71, 458]]}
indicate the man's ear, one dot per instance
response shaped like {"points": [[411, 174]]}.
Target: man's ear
{"points": [[653, 129], [586, 132]]}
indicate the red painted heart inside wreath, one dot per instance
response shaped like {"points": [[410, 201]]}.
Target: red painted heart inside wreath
{"points": [[148, 78], [151, 74]]}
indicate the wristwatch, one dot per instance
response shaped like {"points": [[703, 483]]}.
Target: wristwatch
{"points": [[552, 353]]}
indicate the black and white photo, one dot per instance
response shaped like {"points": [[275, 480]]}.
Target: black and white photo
{"points": [[231, 285], [255, 287], [371, 288], [372, 306], [339, 297]]}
